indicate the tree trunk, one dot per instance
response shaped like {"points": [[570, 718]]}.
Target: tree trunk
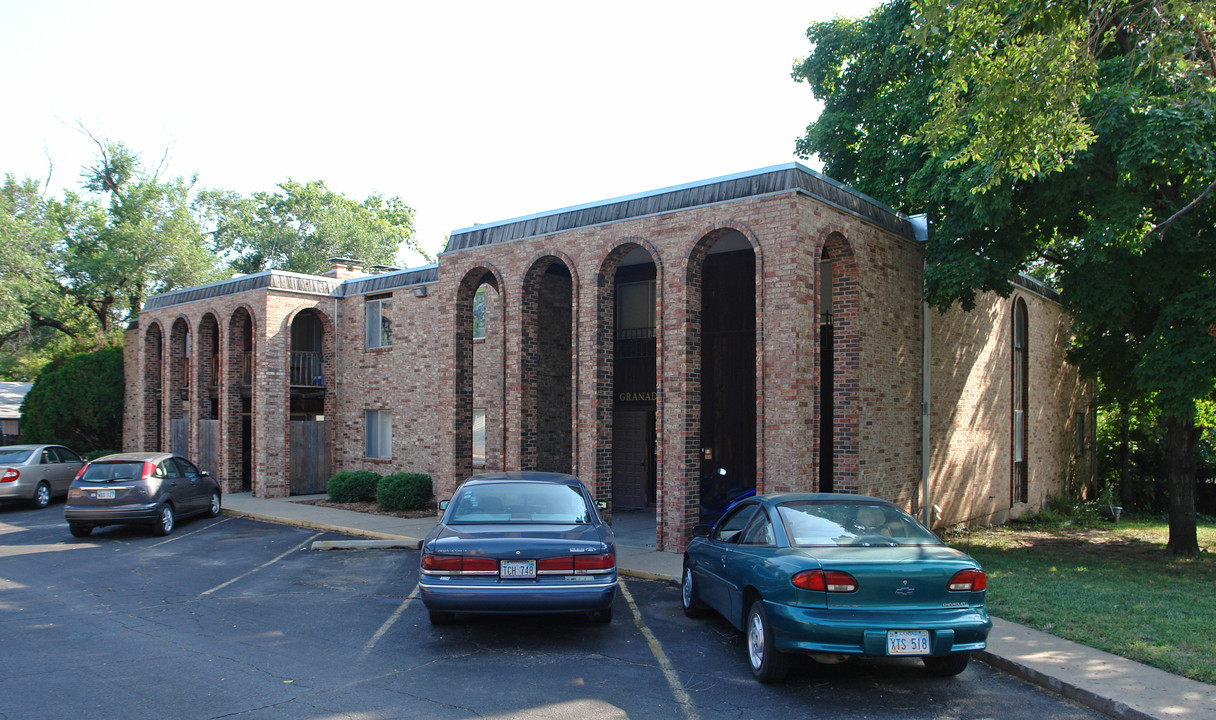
{"points": [[1127, 493], [1181, 439]]}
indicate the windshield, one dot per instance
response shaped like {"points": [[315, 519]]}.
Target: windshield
{"points": [[520, 503], [14, 457], [105, 472], [810, 523]]}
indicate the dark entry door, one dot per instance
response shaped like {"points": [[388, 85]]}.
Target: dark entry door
{"points": [[630, 457], [310, 457]]}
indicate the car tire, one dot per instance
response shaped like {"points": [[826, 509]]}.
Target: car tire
{"points": [[80, 531], [602, 617], [768, 664], [442, 617], [213, 505], [688, 596], [165, 520], [947, 665], [42, 496]]}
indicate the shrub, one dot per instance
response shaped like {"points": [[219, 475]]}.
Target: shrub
{"points": [[404, 491], [353, 486]]}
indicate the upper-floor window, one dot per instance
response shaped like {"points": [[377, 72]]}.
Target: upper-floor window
{"points": [[1021, 403], [635, 310], [479, 313], [378, 311]]}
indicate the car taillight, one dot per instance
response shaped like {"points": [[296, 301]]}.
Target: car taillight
{"points": [[606, 561], [459, 564], [10, 475], [556, 565], [149, 468], [80, 472], [443, 563], [969, 581], [833, 581]]}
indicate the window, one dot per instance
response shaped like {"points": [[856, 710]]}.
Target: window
{"points": [[635, 309], [379, 434], [479, 437], [1021, 403], [379, 322], [479, 313]]}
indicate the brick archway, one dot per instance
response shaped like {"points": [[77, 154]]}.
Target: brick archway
{"points": [[547, 360]]}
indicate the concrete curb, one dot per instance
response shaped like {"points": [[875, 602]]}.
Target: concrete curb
{"points": [[1077, 694], [322, 526], [403, 544]]}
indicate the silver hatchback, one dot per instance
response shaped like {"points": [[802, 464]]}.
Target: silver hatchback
{"points": [[139, 489], [36, 473]]}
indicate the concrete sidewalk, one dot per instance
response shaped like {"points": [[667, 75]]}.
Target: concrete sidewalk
{"points": [[1110, 684]]}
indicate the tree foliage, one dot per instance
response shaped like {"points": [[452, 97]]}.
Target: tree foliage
{"points": [[301, 226], [1075, 141], [77, 401]]}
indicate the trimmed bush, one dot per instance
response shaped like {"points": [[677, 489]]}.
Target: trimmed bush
{"points": [[404, 491], [353, 486]]}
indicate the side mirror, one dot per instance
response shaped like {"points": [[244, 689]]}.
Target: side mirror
{"points": [[443, 504], [601, 506], [204, 473], [701, 530]]}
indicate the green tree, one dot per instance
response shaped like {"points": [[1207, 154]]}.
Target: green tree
{"points": [[77, 401], [1075, 141], [303, 225]]}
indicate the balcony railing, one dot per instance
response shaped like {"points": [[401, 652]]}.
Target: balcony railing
{"points": [[306, 368]]}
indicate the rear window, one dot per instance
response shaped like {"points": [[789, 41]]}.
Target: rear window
{"points": [[14, 457], [107, 471], [520, 503], [810, 523]]}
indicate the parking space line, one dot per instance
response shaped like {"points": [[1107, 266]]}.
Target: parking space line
{"points": [[392, 619], [268, 563], [186, 535], [669, 671]]}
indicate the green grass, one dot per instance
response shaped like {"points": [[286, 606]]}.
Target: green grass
{"points": [[1111, 587]]}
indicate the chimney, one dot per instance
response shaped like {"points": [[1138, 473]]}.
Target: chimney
{"points": [[344, 269]]}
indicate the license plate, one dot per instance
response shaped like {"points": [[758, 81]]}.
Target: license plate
{"points": [[105, 494], [907, 642], [514, 569]]}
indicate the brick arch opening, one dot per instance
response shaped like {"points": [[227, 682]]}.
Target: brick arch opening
{"points": [[310, 401], [207, 395], [838, 352], [721, 377], [180, 349], [628, 348], [153, 432], [547, 359], [238, 388], [468, 315]]}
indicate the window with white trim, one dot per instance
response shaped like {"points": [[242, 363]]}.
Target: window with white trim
{"points": [[378, 311], [479, 437], [379, 434]]}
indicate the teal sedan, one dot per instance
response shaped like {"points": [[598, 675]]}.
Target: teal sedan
{"points": [[836, 577]]}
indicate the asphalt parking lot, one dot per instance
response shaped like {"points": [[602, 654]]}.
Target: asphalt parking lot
{"points": [[235, 618]]}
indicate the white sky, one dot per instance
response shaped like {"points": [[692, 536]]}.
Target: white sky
{"points": [[469, 111]]}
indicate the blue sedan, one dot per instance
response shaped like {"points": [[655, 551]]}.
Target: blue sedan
{"points": [[519, 542], [836, 577]]}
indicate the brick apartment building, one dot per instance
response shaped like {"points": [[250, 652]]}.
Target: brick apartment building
{"points": [[760, 329]]}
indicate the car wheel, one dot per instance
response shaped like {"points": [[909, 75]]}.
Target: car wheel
{"points": [[602, 617], [768, 663], [42, 496], [688, 596], [80, 531], [213, 506], [442, 617], [947, 665], [164, 520]]}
